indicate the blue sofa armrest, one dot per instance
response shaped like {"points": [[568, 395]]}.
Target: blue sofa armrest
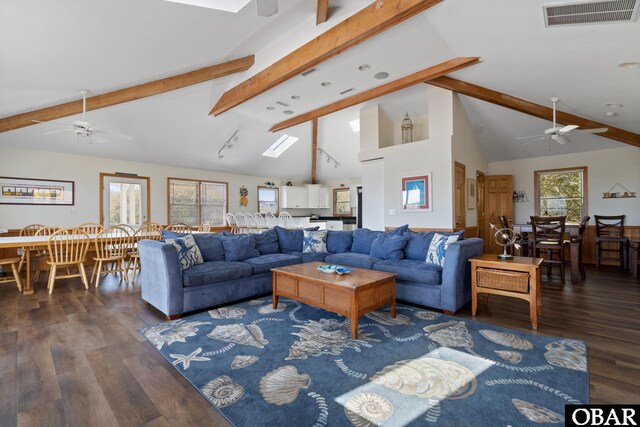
{"points": [[456, 274], [162, 278]]}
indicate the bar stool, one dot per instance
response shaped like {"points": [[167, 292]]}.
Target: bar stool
{"points": [[610, 230]]}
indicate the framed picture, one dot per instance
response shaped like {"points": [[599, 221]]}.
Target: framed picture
{"points": [[26, 191], [416, 193], [471, 194]]}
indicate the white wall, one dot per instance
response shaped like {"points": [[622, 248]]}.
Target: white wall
{"points": [[373, 188], [85, 172], [466, 150], [605, 169]]}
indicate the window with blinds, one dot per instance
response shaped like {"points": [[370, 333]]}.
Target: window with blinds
{"points": [[193, 202]]}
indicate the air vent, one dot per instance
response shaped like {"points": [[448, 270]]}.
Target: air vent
{"points": [[309, 71], [590, 12], [284, 104], [347, 91]]}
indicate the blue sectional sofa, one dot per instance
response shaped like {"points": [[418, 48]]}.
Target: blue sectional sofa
{"points": [[238, 266]]}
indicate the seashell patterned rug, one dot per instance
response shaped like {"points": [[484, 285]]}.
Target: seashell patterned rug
{"points": [[298, 365]]}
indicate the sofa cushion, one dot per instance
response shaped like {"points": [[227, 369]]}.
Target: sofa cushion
{"points": [[352, 259], [314, 241], [239, 247], [267, 242], [311, 256], [339, 241], [363, 238], [417, 244], [210, 246], [264, 263], [412, 270], [388, 246], [438, 248], [290, 240], [215, 271], [188, 251], [166, 234]]}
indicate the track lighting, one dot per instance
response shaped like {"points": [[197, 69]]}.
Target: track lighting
{"points": [[330, 158], [228, 144]]}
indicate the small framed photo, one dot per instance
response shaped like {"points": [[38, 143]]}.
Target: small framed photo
{"points": [[416, 193], [471, 194], [27, 191]]}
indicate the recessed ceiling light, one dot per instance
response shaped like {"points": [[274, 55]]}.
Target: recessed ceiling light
{"points": [[271, 107], [280, 146], [613, 105], [325, 84], [381, 75], [610, 113], [629, 65], [287, 112], [295, 96], [364, 67]]}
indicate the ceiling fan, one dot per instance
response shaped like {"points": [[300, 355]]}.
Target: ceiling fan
{"points": [[560, 134], [83, 128]]}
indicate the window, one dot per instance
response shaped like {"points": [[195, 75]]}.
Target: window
{"points": [[193, 202], [341, 202], [268, 200], [562, 192], [124, 199]]}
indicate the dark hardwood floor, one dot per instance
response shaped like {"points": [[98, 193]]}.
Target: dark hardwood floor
{"points": [[75, 357]]}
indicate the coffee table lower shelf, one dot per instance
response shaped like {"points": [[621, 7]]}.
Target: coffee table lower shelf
{"points": [[351, 295]]}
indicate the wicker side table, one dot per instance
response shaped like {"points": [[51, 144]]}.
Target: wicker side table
{"points": [[517, 278]]}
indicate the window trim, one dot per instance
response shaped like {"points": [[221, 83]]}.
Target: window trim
{"points": [[277, 212], [199, 181], [585, 187], [335, 199]]}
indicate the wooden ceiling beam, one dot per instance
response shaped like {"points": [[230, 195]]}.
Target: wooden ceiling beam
{"points": [[322, 11], [412, 79], [532, 109], [128, 94], [371, 20]]}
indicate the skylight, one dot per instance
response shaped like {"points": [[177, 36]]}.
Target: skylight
{"points": [[224, 5], [280, 146]]}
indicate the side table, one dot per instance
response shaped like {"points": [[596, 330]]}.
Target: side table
{"points": [[517, 278]]}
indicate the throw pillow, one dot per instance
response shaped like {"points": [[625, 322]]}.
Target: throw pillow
{"points": [[388, 246], [291, 240], [418, 244], [339, 241], [314, 241], [188, 252], [363, 239], [267, 242], [239, 247], [438, 248], [210, 246]]}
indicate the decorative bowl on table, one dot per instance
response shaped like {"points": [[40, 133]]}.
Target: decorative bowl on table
{"points": [[333, 269]]}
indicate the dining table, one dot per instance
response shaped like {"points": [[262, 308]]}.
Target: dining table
{"points": [[574, 242]]}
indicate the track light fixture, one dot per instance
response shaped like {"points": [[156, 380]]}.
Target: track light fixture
{"points": [[329, 158], [228, 143]]}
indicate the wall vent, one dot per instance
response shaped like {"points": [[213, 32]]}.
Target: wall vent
{"points": [[347, 91], [284, 104], [590, 12], [309, 71]]}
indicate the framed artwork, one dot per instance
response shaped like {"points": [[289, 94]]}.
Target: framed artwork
{"points": [[26, 191], [416, 193], [471, 194]]}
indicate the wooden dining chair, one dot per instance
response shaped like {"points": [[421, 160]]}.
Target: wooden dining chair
{"points": [[205, 227], [28, 230], [548, 237], [179, 228], [112, 249], [145, 232], [40, 260], [67, 248], [13, 262], [127, 227], [610, 238], [91, 227]]}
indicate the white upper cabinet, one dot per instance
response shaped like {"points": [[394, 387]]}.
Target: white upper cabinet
{"points": [[318, 196], [294, 197]]}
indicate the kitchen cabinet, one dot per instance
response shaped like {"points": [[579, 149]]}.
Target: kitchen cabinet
{"points": [[318, 196], [294, 197]]}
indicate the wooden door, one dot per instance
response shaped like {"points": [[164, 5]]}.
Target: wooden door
{"points": [[498, 200], [460, 212], [480, 215]]}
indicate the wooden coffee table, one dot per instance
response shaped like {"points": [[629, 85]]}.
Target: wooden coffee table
{"points": [[351, 295]]}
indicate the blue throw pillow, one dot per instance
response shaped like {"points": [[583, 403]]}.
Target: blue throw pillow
{"points": [[239, 247], [267, 242], [438, 248], [388, 246], [339, 241], [290, 240], [417, 244], [399, 230], [188, 252], [314, 241], [210, 246], [363, 239]]}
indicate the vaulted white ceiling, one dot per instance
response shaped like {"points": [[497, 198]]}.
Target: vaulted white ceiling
{"points": [[51, 50]]}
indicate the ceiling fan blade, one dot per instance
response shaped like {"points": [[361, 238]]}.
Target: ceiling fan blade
{"points": [[534, 140], [532, 136], [597, 130], [97, 138], [568, 128], [52, 123], [112, 133], [560, 139], [58, 131]]}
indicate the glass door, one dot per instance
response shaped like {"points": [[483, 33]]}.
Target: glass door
{"points": [[125, 200]]}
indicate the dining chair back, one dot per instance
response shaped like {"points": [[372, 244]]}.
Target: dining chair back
{"points": [[205, 226], [13, 263], [241, 223], [112, 249], [548, 236], [179, 228], [261, 223], [127, 227], [146, 231], [47, 230], [67, 247], [250, 221], [285, 220], [271, 220], [610, 239], [91, 227], [28, 230]]}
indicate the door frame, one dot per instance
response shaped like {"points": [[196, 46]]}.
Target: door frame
{"points": [[479, 204], [120, 175]]}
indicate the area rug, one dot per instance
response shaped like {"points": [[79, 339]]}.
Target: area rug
{"points": [[297, 365]]}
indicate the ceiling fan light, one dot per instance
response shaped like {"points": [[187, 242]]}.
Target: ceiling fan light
{"points": [[561, 139]]}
